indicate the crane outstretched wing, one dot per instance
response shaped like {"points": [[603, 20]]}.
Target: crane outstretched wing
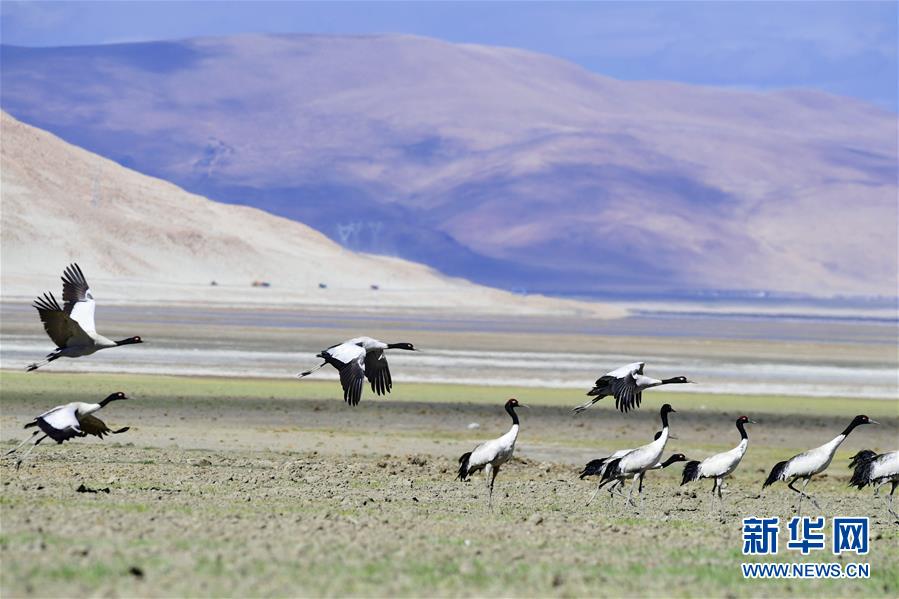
{"points": [[352, 379], [59, 326], [378, 372], [91, 425], [622, 371], [78, 299], [626, 392], [349, 360]]}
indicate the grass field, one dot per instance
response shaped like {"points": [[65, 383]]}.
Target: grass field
{"points": [[265, 487]]}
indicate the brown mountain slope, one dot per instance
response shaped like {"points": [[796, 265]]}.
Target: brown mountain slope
{"points": [[143, 239]]}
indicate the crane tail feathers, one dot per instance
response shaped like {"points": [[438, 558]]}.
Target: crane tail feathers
{"points": [[691, 472], [593, 468], [862, 457], [861, 464], [776, 473], [463, 465]]}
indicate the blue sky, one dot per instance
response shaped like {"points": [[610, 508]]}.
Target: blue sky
{"points": [[848, 48]]}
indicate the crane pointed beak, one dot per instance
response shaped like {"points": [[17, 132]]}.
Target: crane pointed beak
{"points": [[670, 436], [753, 422], [521, 405], [872, 421]]}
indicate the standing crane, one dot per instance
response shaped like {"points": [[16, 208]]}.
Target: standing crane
{"points": [[490, 455], [720, 465], [598, 466], [639, 460], [814, 461]]}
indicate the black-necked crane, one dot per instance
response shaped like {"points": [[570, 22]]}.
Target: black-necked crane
{"points": [[71, 327], [490, 455], [626, 384], [67, 421], [720, 465], [814, 461], [598, 466], [869, 468], [357, 359], [638, 461]]}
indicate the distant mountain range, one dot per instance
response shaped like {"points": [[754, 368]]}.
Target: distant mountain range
{"points": [[145, 240], [503, 166]]}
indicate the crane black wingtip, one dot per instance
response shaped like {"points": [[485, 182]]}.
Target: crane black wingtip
{"points": [[611, 470], [592, 468], [691, 472], [776, 473], [463, 465]]}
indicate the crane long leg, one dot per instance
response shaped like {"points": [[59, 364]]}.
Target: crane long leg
{"points": [[592, 497], [16, 448], [30, 449], [308, 372], [714, 494], [631, 492], [640, 489], [895, 484], [492, 477], [721, 484], [615, 488], [790, 485], [810, 498], [44, 362]]}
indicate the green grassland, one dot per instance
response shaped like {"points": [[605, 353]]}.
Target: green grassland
{"points": [[223, 520], [174, 389]]}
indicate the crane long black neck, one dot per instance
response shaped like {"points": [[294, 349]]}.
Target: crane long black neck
{"points": [[664, 420], [511, 411], [850, 428], [742, 430]]}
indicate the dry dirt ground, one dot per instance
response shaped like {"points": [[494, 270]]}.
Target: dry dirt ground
{"points": [[230, 493]]}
